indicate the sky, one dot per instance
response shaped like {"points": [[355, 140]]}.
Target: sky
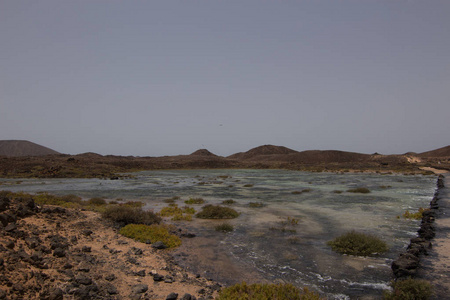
{"points": [[154, 78]]}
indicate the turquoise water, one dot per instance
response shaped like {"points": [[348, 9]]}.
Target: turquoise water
{"points": [[297, 254]]}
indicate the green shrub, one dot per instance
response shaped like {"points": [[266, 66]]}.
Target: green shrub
{"points": [[228, 202], [255, 204], [356, 243], [69, 201], [133, 203], [195, 201], [217, 212], [416, 216], [97, 201], [412, 289], [224, 227], [266, 292], [152, 234], [248, 185], [124, 215], [361, 190], [177, 213]]}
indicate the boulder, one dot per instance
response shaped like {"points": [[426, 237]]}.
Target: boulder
{"points": [[406, 265]]}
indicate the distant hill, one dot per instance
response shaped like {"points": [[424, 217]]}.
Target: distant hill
{"points": [[23, 148], [441, 152], [272, 153], [202, 152], [262, 152]]}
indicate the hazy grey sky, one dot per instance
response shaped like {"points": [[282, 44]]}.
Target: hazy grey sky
{"points": [[154, 78]]}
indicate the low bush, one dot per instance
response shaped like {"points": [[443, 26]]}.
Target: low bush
{"points": [[265, 292], [224, 227], [356, 243], [361, 190], [228, 202], [415, 216], [255, 204], [177, 213], [248, 185], [133, 203], [96, 201], [69, 201], [195, 201], [217, 212], [151, 234], [409, 289], [124, 215]]}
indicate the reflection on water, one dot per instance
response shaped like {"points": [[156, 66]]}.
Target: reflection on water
{"points": [[261, 244]]}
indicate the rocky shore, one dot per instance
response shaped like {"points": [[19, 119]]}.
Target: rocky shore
{"points": [[408, 263], [55, 253]]}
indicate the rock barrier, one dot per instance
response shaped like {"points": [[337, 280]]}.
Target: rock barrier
{"points": [[407, 264]]}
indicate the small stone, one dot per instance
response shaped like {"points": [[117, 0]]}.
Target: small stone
{"points": [[81, 279], [187, 297], [10, 245], [56, 294], [67, 266], [140, 273], [136, 251], [158, 277], [172, 296], [59, 252], [111, 289], [86, 249], [159, 245], [84, 267], [10, 227], [86, 232], [110, 277], [139, 289]]}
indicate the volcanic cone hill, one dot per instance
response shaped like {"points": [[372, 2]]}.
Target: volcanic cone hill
{"points": [[441, 152], [23, 148]]}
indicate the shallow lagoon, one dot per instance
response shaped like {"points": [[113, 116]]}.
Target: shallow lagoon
{"points": [[259, 245]]}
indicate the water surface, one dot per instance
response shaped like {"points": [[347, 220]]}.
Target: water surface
{"points": [[261, 244]]}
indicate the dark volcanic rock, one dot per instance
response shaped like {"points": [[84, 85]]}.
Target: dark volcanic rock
{"points": [[4, 203], [84, 280], [159, 245], [56, 294], [59, 252], [188, 297], [11, 227], [172, 296], [158, 277], [139, 289], [405, 265]]}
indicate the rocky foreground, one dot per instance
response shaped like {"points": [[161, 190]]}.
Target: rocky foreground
{"points": [[54, 253]]}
